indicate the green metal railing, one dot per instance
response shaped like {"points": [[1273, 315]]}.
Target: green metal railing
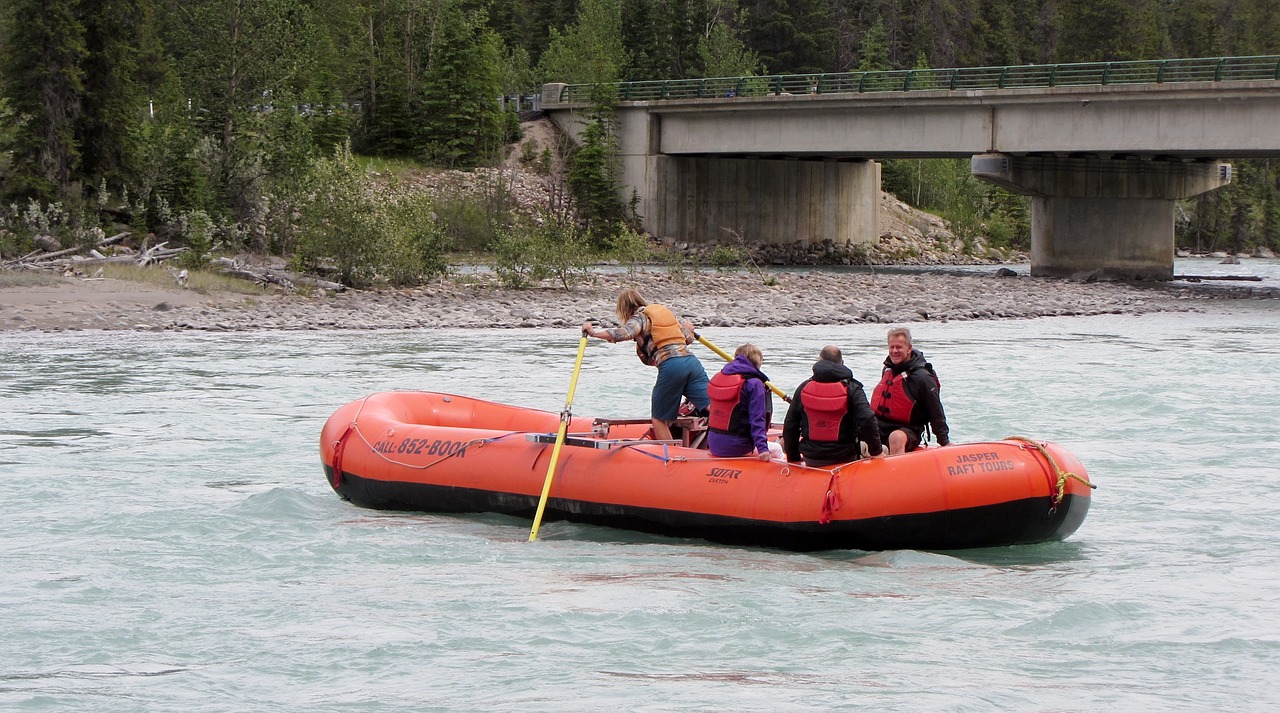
{"points": [[1156, 71]]}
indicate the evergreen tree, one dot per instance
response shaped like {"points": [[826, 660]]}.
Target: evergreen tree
{"points": [[873, 51], [721, 50], [550, 17], [462, 121], [1110, 30], [235, 56], [589, 52], [594, 180], [1258, 23], [1194, 29], [640, 36], [240, 60], [114, 99], [44, 52], [681, 26], [793, 36]]}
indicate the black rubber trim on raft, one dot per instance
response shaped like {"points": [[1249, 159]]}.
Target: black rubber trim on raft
{"points": [[1017, 522]]}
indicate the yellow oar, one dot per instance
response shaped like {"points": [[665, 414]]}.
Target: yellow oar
{"points": [[555, 451], [725, 355]]}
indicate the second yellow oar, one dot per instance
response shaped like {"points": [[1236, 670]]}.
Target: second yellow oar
{"points": [[555, 450], [725, 355]]}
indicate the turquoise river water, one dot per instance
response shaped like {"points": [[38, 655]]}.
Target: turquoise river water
{"points": [[168, 541]]}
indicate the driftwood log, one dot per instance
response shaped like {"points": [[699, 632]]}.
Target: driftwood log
{"points": [[267, 276], [1237, 278], [62, 260], [72, 261]]}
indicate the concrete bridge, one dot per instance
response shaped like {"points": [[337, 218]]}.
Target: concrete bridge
{"points": [[1103, 149]]}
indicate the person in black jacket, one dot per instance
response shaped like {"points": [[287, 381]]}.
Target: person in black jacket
{"points": [[828, 414], [906, 399]]}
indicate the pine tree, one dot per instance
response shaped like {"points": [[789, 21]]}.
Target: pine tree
{"points": [[114, 100], [462, 122], [1110, 30], [721, 50], [43, 74], [594, 180], [590, 51], [793, 36], [873, 51]]}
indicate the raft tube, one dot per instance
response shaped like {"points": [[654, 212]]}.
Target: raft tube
{"points": [[441, 453]]}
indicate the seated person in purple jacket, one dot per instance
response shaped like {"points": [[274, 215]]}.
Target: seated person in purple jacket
{"points": [[741, 407]]}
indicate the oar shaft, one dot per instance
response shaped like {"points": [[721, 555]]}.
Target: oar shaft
{"points": [[725, 355], [560, 434]]}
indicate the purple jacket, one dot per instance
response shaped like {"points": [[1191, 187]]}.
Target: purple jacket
{"points": [[756, 398]]}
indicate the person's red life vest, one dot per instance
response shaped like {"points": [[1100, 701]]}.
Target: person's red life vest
{"points": [[825, 405], [728, 412], [890, 399]]}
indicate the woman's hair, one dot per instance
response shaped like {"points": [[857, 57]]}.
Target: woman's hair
{"points": [[629, 302], [752, 353]]}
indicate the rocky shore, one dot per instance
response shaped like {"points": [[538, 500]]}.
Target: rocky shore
{"points": [[779, 298]]}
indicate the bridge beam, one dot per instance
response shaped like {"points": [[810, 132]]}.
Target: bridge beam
{"points": [[1109, 216]]}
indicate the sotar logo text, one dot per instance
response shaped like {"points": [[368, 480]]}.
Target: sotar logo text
{"points": [[725, 473]]}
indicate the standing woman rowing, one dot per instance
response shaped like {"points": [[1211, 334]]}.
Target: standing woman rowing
{"points": [[662, 340]]}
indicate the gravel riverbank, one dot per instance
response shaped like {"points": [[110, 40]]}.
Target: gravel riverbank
{"points": [[707, 298]]}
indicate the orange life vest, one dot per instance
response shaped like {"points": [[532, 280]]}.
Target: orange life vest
{"points": [[664, 328]]}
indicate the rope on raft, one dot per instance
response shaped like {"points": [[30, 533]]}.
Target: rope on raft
{"points": [[354, 427], [1062, 475]]}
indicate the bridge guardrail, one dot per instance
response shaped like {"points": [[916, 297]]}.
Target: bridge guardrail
{"points": [[1162, 71]]}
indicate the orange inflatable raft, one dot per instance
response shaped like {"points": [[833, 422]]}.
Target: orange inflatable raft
{"points": [[434, 452]]}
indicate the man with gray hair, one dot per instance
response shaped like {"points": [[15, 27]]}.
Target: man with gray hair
{"points": [[906, 399]]}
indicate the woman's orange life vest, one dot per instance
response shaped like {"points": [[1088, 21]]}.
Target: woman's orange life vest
{"points": [[825, 405], [664, 328]]}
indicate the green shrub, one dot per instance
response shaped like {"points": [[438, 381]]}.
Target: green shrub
{"points": [[197, 232], [563, 251], [361, 232], [726, 257], [631, 248], [25, 223], [528, 152], [525, 254], [413, 248], [513, 259], [677, 265], [465, 223]]}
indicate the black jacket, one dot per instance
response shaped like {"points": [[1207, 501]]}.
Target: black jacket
{"points": [[858, 421], [922, 387]]}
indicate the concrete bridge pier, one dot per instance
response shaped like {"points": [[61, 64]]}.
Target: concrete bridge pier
{"points": [[1109, 215], [701, 199]]}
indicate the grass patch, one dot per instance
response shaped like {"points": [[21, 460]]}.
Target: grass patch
{"points": [[28, 278], [385, 166], [205, 283]]}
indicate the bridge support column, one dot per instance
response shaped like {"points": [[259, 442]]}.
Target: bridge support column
{"points": [[1110, 216], [700, 199]]}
